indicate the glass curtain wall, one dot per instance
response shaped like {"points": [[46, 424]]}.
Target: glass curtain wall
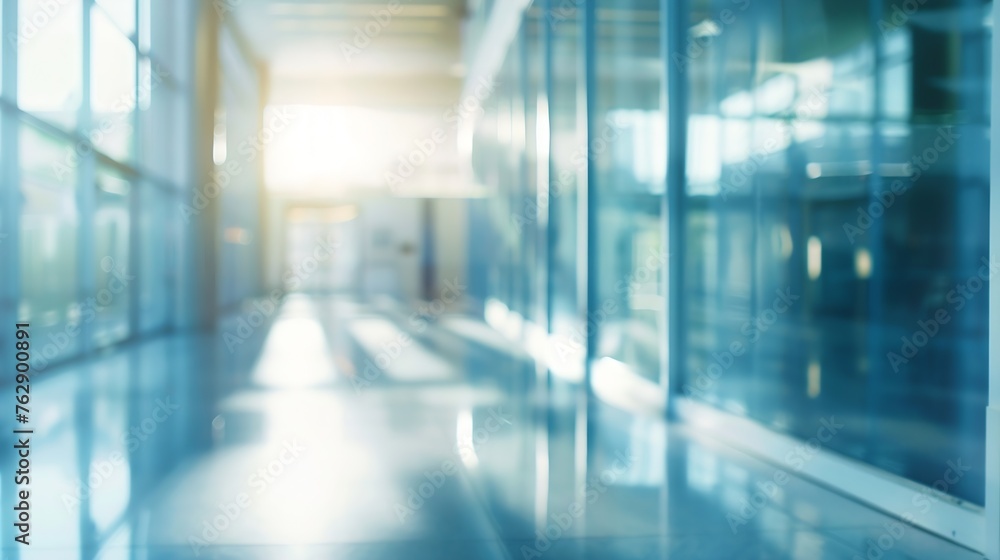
{"points": [[511, 132], [567, 166], [834, 217], [94, 167], [836, 231], [627, 145], [505, 220], [242, 130]]}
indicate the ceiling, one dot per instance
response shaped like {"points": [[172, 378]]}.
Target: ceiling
{"points": [[400, 54]]}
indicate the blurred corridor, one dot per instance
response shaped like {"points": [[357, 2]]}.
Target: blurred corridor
{"points": [[595, 279]]}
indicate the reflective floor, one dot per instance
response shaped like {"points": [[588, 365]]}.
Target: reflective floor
{"points": [[347, 430]]}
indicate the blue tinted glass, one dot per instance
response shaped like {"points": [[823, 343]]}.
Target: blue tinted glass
{"points": [[837, 200], [627, 146]]}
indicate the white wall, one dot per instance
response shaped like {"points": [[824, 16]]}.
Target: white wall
{"points": [[391, 247], [387, 242], [451, 240]]}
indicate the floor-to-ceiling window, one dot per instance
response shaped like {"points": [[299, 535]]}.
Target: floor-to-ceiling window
{"points": [[94, 166], [531, 52], [49, 223], [627, 146], [568, 158], [832, 212], [836, 245], [243, 131], [504, 218]]}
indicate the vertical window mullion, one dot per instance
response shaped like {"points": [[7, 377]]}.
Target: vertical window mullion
{"points": [[86, 185]]}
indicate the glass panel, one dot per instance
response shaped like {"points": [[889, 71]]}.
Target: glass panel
{"points": [[50, 36], [836, 227], [113, 87], [568, 156], [111, 242], [121, 12], [49, 222], [145, 20], [526, 201], [484, 230], [159, 142], [718, 267], [628, 148], [163, 36], [507, 173], [155, 256]]}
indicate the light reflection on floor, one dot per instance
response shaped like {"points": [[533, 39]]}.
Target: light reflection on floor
{"points": [[274, 453]]}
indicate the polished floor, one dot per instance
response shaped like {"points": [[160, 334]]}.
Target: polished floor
{"points": [[340, 429]]}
